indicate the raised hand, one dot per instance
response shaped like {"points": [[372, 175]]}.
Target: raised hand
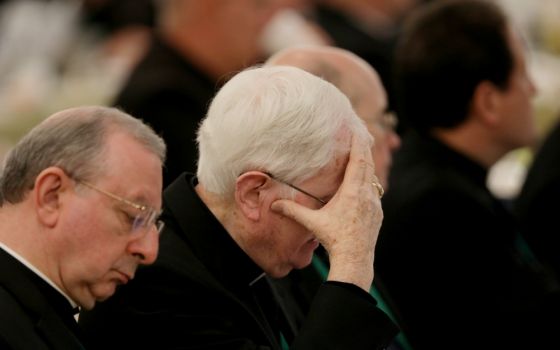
{"points": [[348, 225]]}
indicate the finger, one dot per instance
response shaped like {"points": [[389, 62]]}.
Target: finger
{"points": [[370, 165], [361, 169], [357, 168], [295, 211]]}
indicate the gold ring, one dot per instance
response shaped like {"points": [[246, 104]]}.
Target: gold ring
{"points": [[379, 189]]}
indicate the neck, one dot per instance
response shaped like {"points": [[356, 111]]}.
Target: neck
{"points": [[16, 226], [196, 45], [226, 212], [472, 142], [20, 232], [247, 234]]}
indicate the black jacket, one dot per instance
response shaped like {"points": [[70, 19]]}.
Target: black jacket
{"points": [[450, 250], [537, 206], [33, 315], [198, 295], [375, 46], [171, 95]]}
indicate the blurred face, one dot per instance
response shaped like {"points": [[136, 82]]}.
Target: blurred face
{"points": [[371, 107], [396, 9], [243, 21], [285, 244], [518, 127], [101, 248]]}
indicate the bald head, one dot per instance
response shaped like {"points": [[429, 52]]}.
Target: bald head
{"points": [[345, 70], [359, 82]]}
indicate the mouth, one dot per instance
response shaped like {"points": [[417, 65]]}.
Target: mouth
{"points": [[123, 278]]}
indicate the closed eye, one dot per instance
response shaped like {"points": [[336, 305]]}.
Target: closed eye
{"points": [[129, 220]]}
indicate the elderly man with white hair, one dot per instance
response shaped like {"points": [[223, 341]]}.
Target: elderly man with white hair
{"points": [[285, 164]]}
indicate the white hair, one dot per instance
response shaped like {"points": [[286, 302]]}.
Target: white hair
{"points": [[280, 120]]}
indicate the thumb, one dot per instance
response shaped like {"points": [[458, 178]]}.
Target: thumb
{"points": [[295, 211]]}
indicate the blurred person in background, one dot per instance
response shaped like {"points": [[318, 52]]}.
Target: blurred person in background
{"points": [[54, 54], [536, 206], [197, 46], [124, 28], [368, 28], [79, 202], [448, 247], [36, 38], [293, 26], [113, 15]]}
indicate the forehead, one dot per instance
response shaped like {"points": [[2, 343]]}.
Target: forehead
{"points": [[331, 176], [131, 169], [517, 46]]}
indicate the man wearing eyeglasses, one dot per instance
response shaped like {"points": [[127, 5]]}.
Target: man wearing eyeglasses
{"points": [[285, 164], [80, 197]]}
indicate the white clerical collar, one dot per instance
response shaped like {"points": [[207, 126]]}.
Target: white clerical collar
{"points": [[22, 260]]}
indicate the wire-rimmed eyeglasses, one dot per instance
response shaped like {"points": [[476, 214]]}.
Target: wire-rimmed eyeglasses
{"points": [[297, 189], [141, 222]]}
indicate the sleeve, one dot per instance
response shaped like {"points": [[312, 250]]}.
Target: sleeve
{"points": [[343, 316]]}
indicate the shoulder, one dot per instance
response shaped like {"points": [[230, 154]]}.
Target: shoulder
{"points": [[17, 326]]}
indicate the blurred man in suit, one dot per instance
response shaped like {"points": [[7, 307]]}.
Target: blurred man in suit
{"points": [[448, 247], [197, 46]]}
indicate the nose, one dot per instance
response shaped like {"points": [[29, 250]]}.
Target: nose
{"points": [[533, 88], [146, 247]]}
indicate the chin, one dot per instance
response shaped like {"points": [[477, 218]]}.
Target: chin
{"points": [[102, 294], [279, 273], [86, 304]]}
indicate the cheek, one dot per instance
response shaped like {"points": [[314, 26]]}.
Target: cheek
{"points": [[93, 252], [94, 276], [90, 249], [93, 264], [381, 155], [522, 107], [289, 239], [291, 244], [301, 247]]}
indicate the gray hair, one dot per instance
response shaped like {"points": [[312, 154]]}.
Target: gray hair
{"points": [[278, 119], [74, 140]]}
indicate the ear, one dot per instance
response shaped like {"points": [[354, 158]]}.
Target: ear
{"points": [[486, 102], [250, 190], [49, 185]]}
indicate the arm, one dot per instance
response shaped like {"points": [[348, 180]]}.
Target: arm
{"points": [[343, 315], [349, 224]]}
